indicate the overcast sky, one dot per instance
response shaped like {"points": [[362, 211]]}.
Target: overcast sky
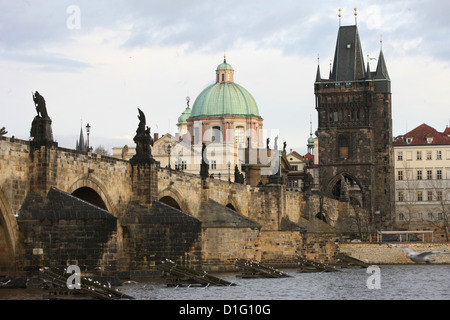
{"points": [[97, 61]]}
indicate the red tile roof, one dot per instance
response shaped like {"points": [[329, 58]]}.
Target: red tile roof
{"points": [[421, 135]]}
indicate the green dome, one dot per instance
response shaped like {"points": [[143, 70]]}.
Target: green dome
{"points": [[184, 116], [224, 99], [224, 66]]}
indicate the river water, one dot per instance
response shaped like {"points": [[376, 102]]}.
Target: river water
{"points": [[384, 282]]}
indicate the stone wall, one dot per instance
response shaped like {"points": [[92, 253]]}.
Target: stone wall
{"points": [[281, 248], [152, 235], [222, 246], [381, 253], [60, 230]]}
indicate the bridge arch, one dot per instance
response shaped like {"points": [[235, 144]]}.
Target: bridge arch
{"points": [[90, 189], [8, 236], [234, 205], [173, 198], [356, 192]]}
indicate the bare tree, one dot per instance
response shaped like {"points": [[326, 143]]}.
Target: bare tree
{"points": [[441, 194], [3, 131], [101, 150]]}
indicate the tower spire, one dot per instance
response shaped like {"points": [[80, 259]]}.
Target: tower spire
{"points": [[356, 16], [318, 76]]}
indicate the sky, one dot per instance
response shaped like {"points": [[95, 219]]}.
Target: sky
{"points": [[98, 61]]}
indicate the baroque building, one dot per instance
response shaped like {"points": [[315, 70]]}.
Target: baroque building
{"points": [[422, 179], [355, 130]]}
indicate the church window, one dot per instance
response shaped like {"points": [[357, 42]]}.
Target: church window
{"points": [[223, 77], [240, 136], [216, 134]]}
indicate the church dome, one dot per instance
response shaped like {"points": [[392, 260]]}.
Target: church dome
{"points": [[224, 66], [224, 98], [184, 116]]}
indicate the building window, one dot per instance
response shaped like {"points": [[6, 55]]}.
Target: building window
{"points": [[216, 134], [439, 174], [336, 117], [430, 216], [401, 196], [240, 136], [429, 174], [419, 155], [419, 196], [439, 195], [401, 217], [213, 164], [419, 174], [344, 146], [400, 175], [430, 196], [438, 155], [400, 156], [440, 216], [429, 153], [294, 168], [420, 216]]}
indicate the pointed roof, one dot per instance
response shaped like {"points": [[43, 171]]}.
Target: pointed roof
{"points": [[381, 72], [80, 142], [348, 62], [318, 77]]}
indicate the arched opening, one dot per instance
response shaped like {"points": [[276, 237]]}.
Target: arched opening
{"points": [[321, 216], [346, 188], [6, 257], [91, 196], [170, 202], [231, 207]]}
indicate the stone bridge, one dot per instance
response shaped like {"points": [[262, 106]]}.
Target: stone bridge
{"points": [[60, 206]]}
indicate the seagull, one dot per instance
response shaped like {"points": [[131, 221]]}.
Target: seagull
{"points": [[419, 257]]}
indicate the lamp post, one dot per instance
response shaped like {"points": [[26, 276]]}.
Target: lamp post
{"points": [[88, 130]]}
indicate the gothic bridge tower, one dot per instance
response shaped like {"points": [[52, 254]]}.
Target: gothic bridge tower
{"points": [[355, 130]]}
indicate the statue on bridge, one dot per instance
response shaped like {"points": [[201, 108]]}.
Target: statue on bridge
{"points": [[143, 141], [238, 176], [41, 108], [41, 128]]}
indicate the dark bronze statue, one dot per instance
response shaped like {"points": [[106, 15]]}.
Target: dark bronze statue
{"points": [[204, 166], [143, 141], [39, 102], [238, 176]]}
